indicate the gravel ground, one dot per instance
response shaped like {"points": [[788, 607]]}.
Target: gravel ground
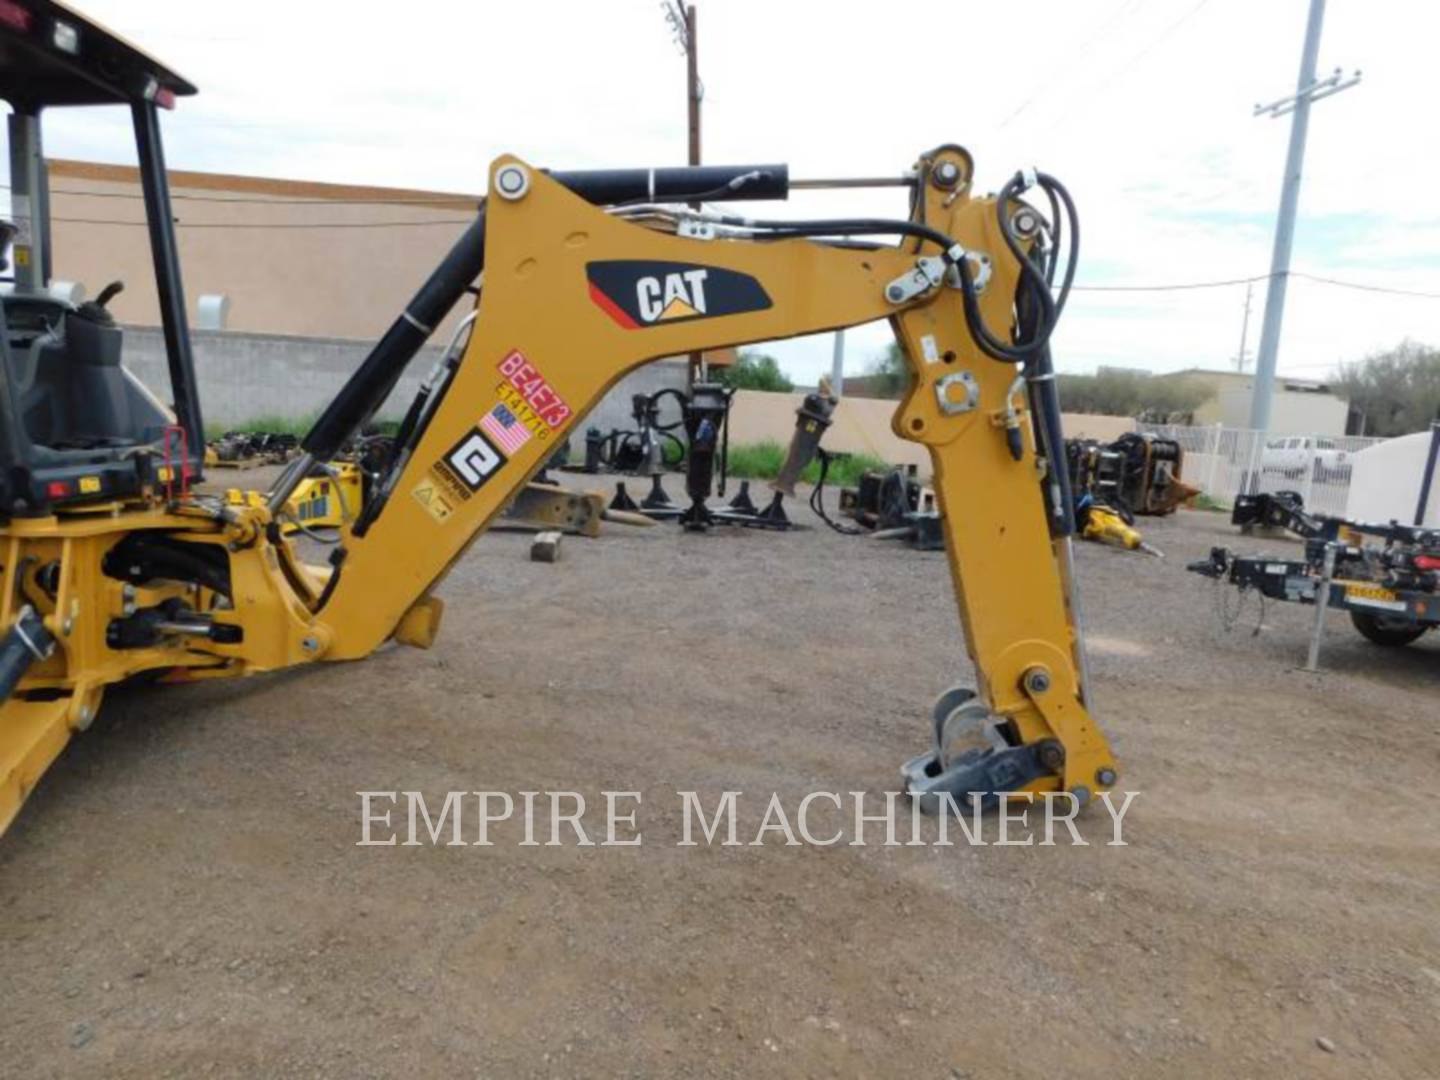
{"points": [[184, 895]]}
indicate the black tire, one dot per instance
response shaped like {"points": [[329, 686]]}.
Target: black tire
{"points": [[1383, 631]]}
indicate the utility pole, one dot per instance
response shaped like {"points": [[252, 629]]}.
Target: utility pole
{"points": [[681, 17], [1244, 329], [1307, 90], [837, 366], [692, 84]]}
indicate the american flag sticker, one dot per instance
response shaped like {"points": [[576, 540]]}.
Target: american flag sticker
{"points": [[505, 428]]}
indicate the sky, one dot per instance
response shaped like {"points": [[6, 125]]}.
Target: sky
{"points": [[1142, 107]]}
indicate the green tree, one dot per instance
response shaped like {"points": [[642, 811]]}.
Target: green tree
{"points": [[892, 373], [1397, 391], [755, 371], [1130, 393]]}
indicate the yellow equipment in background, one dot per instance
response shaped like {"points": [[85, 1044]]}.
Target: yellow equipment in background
{"points": [[318, 502], [326, 502], [1105, 525]]}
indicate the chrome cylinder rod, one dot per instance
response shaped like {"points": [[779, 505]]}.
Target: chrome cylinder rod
{"points": [[835, 183]]}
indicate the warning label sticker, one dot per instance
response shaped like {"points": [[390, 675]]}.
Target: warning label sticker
{"points": [[429, 494]]}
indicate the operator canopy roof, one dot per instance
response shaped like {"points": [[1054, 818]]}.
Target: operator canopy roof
{"points": [[52, 55]]}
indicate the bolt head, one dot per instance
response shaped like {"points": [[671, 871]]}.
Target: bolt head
{"points": [[1038, 682], [946, 174], [895, 294], [1105, 777], [309, 644]]}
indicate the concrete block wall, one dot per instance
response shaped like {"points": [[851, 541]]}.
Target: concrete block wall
{"points": [[246, 376]]}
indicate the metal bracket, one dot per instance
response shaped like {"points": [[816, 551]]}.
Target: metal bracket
{"points": [[696, 229], [949, 400], [980, 272], [931, 270]]}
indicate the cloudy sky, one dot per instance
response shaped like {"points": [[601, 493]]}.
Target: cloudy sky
{"points": [[1143, 107]]}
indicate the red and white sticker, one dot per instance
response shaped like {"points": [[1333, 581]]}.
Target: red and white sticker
{"points": [[540, 395]]}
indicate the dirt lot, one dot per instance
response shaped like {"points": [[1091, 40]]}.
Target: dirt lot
{"points": [[184, 894]]}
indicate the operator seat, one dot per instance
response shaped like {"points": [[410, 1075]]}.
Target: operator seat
{"points": [[71, 410]]}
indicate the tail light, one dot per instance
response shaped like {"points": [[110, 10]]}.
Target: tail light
{"points": [[15, 17]]}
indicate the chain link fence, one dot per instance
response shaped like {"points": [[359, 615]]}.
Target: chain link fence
{"points": [[1224, 462]]}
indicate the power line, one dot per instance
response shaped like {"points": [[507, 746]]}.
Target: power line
{"points": [[1125, 68], [1077, 54], [1171, 288], [1183, 286], [1188, 285], [438, 201], [1365, 288]]}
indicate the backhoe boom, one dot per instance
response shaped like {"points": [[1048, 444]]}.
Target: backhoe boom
{"points": [[572, 296]]}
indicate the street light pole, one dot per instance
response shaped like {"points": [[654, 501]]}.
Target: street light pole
{"points": [[1307, 90]]}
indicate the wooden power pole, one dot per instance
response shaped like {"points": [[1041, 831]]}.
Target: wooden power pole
{"points": [[692, 76], [681, 17]]}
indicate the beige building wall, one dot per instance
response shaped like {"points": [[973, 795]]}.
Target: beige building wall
{"points": [[1298, 407], [1291, 413], [316, 260], [862, 426]]}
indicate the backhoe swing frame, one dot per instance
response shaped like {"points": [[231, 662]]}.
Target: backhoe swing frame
{"points": [[574, 297]]}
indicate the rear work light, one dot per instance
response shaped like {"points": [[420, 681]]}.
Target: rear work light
{"points": [[14, 16], [66, 37]]}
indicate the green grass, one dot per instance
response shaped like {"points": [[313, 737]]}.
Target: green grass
{"points": [[762, 461], [1205, 502], [277, 424], [281, 425]]}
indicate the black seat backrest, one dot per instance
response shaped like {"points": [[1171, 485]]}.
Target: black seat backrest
{"points": [[12, 429], [75, 423]]}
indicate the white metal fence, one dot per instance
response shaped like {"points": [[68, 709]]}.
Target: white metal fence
{"points": [[1225, 462]]}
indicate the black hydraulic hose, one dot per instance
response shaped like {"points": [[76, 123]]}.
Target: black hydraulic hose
{"points": [[1049, 435], [159, 556], [842, 226], [26, 642], [367, 389], [817, 498], [1033, 280], [1045, 400], [1058, 196], [725, 442], [655, 399]]}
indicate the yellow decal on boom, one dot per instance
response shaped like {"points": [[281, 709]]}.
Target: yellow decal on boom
{"points": [[428, 494]]}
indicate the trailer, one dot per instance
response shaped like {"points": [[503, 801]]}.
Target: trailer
{"points": [[1386, 576]]}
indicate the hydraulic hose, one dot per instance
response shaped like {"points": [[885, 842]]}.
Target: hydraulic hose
{"points": [[1036, 280], [372, 382], [27, 641]]}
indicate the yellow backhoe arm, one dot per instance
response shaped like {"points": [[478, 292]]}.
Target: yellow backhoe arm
{"points": [[572, 298]]}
